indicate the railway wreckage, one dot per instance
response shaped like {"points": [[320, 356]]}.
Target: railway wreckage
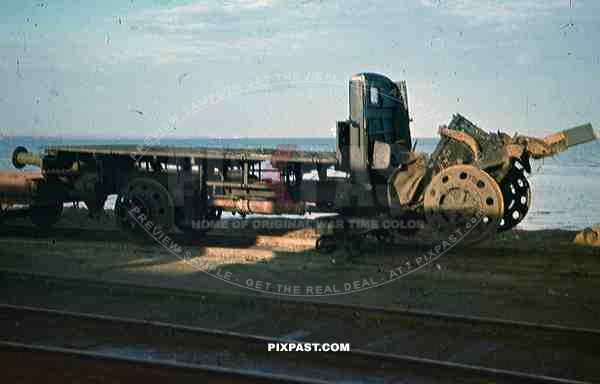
{"points": [[373, 173]]}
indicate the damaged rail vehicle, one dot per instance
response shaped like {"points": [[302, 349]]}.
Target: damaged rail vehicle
{"points": [[373, 172]]}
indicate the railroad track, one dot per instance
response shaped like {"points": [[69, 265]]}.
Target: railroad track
{"points": [[231, 236], [214, 238], [536, 349], [249, 241], [146, 342], [67, 365], [271, 239]]}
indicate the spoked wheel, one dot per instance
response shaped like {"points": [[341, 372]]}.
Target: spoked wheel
{"points": [[144, 205], [517, 196], [461, 200]]}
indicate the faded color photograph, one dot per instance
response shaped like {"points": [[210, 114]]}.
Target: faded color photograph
{"points": [[310, 191]]}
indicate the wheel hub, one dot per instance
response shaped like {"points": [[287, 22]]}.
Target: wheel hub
{"points": [[463, 198], [145, 197]]}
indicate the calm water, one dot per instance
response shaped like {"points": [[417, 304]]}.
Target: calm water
{"points": [[566, 188]]}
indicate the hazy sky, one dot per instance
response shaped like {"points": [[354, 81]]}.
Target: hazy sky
{"points": [[122, 68]]}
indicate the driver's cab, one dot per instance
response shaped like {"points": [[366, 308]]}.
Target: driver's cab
{"points": [[377, 132]]}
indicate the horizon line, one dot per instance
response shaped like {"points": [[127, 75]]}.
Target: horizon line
{"points": [[176, 138]]}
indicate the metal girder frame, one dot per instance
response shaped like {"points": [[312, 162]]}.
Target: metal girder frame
{"points": [[259, 154]]}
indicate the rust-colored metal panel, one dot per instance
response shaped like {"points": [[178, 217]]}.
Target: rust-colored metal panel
{"points": [[19, 185]]}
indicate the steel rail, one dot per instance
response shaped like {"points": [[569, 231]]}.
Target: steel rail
{"points": [[36, 363], [168, 338], [296, 305], [211, 238]]}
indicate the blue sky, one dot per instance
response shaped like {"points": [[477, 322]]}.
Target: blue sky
{"points": [[122, 68]]}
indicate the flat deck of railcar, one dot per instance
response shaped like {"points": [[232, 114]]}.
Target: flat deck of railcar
{"points": [[287, 154]]}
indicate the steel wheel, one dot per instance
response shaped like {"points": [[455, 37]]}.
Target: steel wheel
{"points": [[145, 201], [463, 199], [45, 214], [517, 197]]}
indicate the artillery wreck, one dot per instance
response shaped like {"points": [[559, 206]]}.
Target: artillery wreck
{"points": [[373, 173]]}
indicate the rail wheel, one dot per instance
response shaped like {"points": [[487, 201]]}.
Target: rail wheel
{"points": [[517, 197], [3, 209], [145, 200], [200, 226], [326, 244], [461, 200], [329, 236], [45, 214]]}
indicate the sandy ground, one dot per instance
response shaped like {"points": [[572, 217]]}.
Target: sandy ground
{"points": [[534, 276]]}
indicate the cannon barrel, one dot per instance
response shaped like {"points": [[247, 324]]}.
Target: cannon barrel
{"points": [[557, 142], [21, 158], [464, 142]]}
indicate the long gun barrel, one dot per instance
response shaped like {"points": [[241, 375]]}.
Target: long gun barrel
{"points": [[464, 142], [557, 142], [21, 158]]}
